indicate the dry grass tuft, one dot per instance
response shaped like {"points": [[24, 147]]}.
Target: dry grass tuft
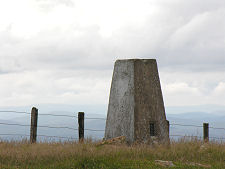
{"points": [[90, 155]]}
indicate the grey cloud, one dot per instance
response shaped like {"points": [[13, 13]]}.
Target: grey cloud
{"points": [[10, 53], [195, 43], [182, 36], [73, 63], [67, 51]]}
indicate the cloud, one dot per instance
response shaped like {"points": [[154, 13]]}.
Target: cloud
{"points": [[49, 5], [180, 88], [187, 88], [185, 42], [177, 35], [36, 87], [65, 49], [220, 89]]}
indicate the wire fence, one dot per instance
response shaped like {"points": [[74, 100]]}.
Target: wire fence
{"points": [[88, 129], [41, 126], [196, 126]]}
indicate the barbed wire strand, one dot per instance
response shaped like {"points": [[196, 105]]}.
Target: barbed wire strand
{"points": [[50, 114], [90, 118], [59, 115], [217, 128], [14, 124], [3, 134], [93, 130], [41, 135], [174, 124], [42, 114], [63, 127], [177, 135], [18, 112], [26, 125], [38, 136]]}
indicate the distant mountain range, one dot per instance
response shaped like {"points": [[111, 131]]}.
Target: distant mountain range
{"points": [[178, 116]]}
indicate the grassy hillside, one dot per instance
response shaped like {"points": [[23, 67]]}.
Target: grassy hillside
{"points": [[183, 154]]}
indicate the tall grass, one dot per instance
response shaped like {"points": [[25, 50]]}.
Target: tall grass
{"points": [[92, 155]]}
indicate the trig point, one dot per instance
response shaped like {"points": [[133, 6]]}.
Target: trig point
{"points": [[136, 109]]}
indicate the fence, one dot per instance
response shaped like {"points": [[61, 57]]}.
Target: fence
{"points": [[34, 125], [205, 127], [81, 129]]}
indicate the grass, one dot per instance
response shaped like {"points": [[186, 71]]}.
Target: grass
{"points": [[90, 155]]}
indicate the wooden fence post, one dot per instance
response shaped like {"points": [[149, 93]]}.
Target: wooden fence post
{"points": [[206, 132], [81, 125], [33, 125]]}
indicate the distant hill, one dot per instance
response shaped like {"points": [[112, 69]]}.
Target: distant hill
{"points": [[192, 115]]}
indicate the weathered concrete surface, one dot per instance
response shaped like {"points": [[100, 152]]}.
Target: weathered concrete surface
{"points": [[120, 118], [149, 106], [135, 101]]}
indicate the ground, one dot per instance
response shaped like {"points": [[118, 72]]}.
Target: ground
{"points": [[182, 154]]}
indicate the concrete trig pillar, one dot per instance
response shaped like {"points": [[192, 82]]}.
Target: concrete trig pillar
{"points": [[136, 109]]}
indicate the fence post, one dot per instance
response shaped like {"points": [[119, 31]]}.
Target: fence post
{"points": [[206, 132], [81, 125], [33, 125]]}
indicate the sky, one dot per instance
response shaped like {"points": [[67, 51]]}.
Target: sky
{"points": [[63, 51]]}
